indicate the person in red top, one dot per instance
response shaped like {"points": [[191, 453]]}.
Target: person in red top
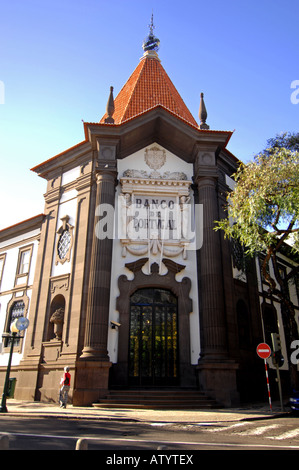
{"points": [[65, 384]]}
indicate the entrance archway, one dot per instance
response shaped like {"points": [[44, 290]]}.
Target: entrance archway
{"points": [[153, 343], [121, 372]]}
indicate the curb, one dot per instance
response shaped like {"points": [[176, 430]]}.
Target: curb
{"points": [[148, 419]]}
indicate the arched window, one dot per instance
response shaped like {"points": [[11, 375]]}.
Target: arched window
{"points": [[17, 310]]}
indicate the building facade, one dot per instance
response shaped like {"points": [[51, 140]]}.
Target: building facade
{"points": [[122, 277]]}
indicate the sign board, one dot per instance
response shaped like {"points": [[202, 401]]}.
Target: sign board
{"points": [[263, 350]]}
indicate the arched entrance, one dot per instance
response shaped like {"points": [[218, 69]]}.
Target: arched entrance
{"points": [[153, 342], [176, 304]]}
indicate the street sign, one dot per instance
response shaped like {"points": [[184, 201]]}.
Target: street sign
{"points": [[263, 350]]}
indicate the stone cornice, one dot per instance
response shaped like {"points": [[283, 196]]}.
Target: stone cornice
{"points": [[155, 186]]}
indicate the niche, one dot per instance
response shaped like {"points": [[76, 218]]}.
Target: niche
{"points": [[56, 320]]}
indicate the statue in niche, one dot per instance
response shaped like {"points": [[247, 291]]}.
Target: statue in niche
{"points": [[186, 215], [57, 319], [125, 202]]}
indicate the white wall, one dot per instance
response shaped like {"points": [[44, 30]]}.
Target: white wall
{"points": [[12, 247], [173, 164], [67, 206]]}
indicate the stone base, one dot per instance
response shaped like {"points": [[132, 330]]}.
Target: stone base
{"points": [[27, 378], [92, 379], [218, 380]]}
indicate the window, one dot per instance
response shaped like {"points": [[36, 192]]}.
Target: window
{"points": [[17, 310], [64, 241], [243, 325], [23, 265], [24, 262], [270, 321], [297, 287], [2, 261], [238, 255]]}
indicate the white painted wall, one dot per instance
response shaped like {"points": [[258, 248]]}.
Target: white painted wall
{"points": [[136, 161], [67, 206], [8, 280]]}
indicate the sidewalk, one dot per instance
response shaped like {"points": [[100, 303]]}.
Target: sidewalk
{"points": [[249, 412]]}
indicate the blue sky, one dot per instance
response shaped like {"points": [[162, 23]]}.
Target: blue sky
{"points": [[59, 58]]}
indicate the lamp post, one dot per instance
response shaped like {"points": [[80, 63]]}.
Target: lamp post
{"points": [[18, 325]]}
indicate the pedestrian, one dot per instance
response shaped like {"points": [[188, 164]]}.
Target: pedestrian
{"points": [[65, 384]]}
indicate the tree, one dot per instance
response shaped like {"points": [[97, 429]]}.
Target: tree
{"points": [[263, 215], [286, 140]]}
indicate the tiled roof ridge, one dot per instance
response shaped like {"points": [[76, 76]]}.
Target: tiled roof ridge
{"points": [[126, 85], [141, 65], [128, 104], [172, 88]]}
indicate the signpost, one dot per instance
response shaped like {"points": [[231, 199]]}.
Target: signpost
{"points": [[264, 351], [20, 324], [278, 361]]}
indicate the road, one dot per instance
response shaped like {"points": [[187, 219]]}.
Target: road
{"points": [[112, 436]]}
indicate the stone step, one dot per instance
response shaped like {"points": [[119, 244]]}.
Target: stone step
{"points": [[156, 399]]}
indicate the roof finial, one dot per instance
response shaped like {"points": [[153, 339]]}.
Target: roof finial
{"points": [[110, 108], [151, 26], [203, 114], [151, 43]]}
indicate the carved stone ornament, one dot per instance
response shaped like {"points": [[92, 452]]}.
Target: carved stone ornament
{"points": [[153, 218], [167, 175], [64, 241], [57, 318], [155, 158]]}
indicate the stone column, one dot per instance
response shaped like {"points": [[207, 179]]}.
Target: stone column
{"points": [[97, 312], [211, 282], [94, 364], [216, 372]]}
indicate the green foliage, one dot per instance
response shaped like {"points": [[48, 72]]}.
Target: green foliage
{"points": [[263, 208], [263, 213], [286, 140]]}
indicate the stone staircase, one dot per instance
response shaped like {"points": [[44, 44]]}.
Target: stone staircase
{"points": [[170, 399]]}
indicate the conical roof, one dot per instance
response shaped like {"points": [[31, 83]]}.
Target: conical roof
{"points": [[149, 86]]}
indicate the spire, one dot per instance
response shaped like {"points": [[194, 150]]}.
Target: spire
{"points": [[110, 108], [203, 114], [151, 43], [148, 87]]}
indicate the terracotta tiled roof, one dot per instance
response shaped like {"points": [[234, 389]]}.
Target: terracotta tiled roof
{"points": [[147, 87]]}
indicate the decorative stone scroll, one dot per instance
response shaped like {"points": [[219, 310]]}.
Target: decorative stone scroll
{"points": [[167, 175]]}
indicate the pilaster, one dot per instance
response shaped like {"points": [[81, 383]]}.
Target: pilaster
{"points": [[216, 372], [211, 291], [95, 342], [93, 364]]}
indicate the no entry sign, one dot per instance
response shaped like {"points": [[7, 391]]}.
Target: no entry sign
{"points": [[263, 350]]}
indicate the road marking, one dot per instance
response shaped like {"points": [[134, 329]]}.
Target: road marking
{"points": [[259, 430], [226, 428], [286, 435], [159, 442]]}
